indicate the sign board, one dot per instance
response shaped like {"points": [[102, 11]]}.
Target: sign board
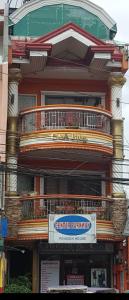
{"points": [[75, 279], [49, 274], [65, 137], [72, 228], [99, 248], [3, 227]]}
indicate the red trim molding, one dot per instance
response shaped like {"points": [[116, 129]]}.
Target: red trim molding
{"points": [[38, 46], [68, 27], [103, 49]]}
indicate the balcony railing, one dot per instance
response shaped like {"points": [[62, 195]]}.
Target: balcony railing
{"points": [[65, 118], [41, 207]]}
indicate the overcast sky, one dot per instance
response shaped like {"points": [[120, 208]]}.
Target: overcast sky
{"points": [[118, 10]]}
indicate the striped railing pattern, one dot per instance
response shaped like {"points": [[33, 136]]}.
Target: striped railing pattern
{"points": [[42, 205], [51, 117]]}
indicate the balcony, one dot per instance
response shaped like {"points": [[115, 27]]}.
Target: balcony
{"points": [[65, 117], [33, 224], [40, 206], [47, 129]]}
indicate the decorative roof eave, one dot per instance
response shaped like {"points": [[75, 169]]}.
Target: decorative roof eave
{"points": [[38, 47], [107, 49], [116, 55], [29, 47], [17, 15], [45, 43], [103, 49], [17, 54], [22, 48], [94, 45], [66, 27], [32, 45]]}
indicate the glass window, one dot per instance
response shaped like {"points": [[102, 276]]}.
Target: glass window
{"points": [[24, 102], [85, 186], [73, 100], [25, 184], [74, 185]]}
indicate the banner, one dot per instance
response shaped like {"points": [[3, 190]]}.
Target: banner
{"points": [[3, 227]]}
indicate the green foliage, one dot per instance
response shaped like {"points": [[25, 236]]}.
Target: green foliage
{"points": [[21, 284]]}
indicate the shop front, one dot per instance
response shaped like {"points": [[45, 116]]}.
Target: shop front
{"points": [[76, 264]]}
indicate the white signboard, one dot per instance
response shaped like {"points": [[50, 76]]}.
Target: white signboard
{"points": [[49, 274], [72, 228]]}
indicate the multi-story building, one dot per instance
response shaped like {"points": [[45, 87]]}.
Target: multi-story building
{"points": [[65, 143]]}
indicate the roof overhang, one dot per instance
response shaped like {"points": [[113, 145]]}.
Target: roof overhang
{"points": [[59, 36], [66, 45]]}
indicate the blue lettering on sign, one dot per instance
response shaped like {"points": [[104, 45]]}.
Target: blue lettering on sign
{"points": [[72, 225]]}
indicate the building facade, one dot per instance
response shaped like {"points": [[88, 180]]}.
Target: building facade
{"points": [[65, 143]]}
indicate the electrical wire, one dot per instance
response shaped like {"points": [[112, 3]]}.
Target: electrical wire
{"points": [[79, 64], [118, 161], [7, 169]]}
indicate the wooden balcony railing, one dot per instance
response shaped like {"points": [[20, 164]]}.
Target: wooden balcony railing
{"points": [[71, 117], [41, 206]]}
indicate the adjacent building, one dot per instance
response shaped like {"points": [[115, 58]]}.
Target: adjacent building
{"points": [[65, 145], [3, 130]]}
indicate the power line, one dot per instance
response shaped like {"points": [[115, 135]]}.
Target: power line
{"points": [[57, 174], [66, 159]]}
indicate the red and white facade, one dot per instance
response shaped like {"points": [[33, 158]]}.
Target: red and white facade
{"points": [[65, 146]]}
